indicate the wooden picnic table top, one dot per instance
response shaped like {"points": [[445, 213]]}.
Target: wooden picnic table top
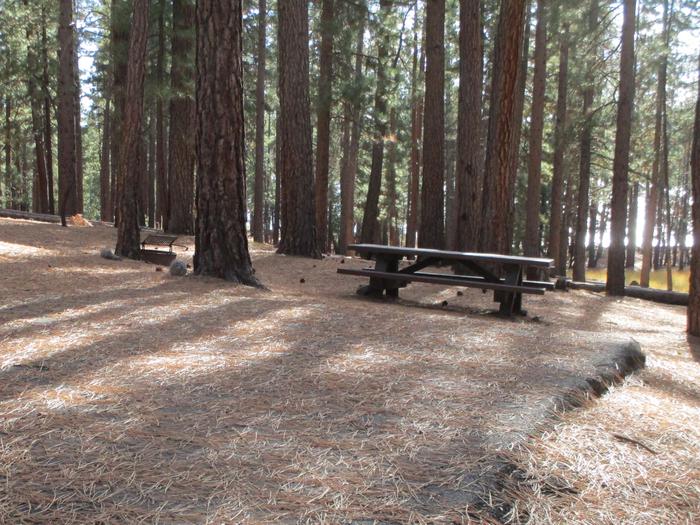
{"points": [[458, 256], [159, 239]]}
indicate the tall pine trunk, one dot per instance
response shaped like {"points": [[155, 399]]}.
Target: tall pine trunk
{"points": [[105, 188], [221, 245], [618, 208], [585, 145], [323, 123], [67, 173], [534, 172], [347, 175], [416, 136], [560, 143], [469, 155], [161, 151], [632, 227], [298, 219], [500, 146], [431, 232], [370, 226], [259, 182], [128, 237], [181, 143], [48, 132], [653, 200], [694, 296], [79, 165]]}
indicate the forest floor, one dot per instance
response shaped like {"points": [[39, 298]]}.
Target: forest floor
{"points": [[130, 395]]}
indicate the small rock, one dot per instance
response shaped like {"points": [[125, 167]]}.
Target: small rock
{"points": [[445, 303], [342, 261], [460, 294], [159, 269], [178, 269], [536, 318], [302, 280], [634, 283]]}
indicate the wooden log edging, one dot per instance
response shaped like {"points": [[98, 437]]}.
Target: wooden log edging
{"points": [[648, 294], [17, 214]]}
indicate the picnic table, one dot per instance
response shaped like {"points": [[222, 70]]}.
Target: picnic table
{"points": [[155, 255], [504, 274]]}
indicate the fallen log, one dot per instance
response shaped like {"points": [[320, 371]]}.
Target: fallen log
{"points": [[649, 294], [17, 214]]}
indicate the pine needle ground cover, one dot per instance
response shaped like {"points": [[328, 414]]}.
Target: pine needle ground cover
{"points": [[127, 395]]}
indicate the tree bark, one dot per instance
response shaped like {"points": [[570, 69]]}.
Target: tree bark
{"points": [[585, 142], [67, 174], [534, 172], [297, 200], [161, 213], [370, 226], [347, 176], [221, 244], [105, 188], [48, 133], [618, 206], [416, 141], [40, 200], [694, 295], [469, 156], [653, 201], [182, 107], [500, 146], [259, 183], [79, 176], [8, 153], [632, 228], [560, 144], [431, 232], [119, 48], [128, 237], [323, 123]]}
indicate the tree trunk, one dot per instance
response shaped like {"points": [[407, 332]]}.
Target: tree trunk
{"points": [[585, 142], [618, 206], [120, 17], [297, 199], [416, 141], [151, 195], [8, 152], [392, 215], [347, 180], [323, 123], [78, 126], [469, 154], [592, 225], [48, 139], [534, 172], [694, 296], [105, 188], [221, 245], [128, 237], [370, 231], [67, 175], [181, 143], [653, 201], [500, 145], [161, 150], [632, 227], [431, 233], [259, 183], [560, 143], [40, 200]]}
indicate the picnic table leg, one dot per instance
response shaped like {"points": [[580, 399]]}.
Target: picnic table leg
{"points": [[377, 285], [511, 302]]}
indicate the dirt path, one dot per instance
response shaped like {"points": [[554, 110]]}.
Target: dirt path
{"points": [[128, 394]]}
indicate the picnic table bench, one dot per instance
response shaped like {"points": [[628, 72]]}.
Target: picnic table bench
{"points": [[504, 274]]}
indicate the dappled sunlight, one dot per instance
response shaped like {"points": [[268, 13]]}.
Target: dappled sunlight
{"points": [[11, 250]]}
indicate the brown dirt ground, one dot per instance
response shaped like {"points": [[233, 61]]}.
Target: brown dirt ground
{"points": [[130, 395]]}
